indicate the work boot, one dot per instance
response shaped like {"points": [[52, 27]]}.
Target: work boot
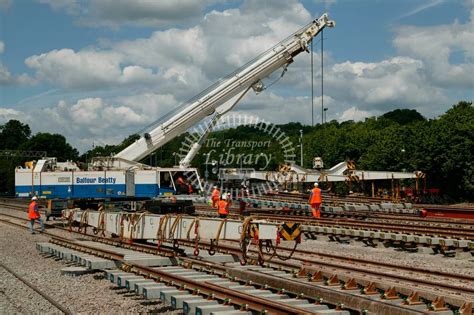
{"points": [[33, 233]]}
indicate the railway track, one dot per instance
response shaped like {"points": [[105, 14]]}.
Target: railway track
{"points": [[436, 228], [343, 271], [305, 256], [465, 232], [434, 211], [398, 224], [207, 289], [40, 292], [403, 218]]}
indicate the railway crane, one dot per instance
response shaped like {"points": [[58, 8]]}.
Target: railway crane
{"points": [[122, 176]]}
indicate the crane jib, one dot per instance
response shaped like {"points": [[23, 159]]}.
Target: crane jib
{"points": [[205, 103]]}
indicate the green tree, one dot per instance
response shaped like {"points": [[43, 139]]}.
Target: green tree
{"points": [[403, 116], [108, 149], [13, 134], [451, 145], [54, 144]]}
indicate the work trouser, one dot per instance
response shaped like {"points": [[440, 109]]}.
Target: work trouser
{"points": [[315, 210], [215, 200], [222, 216], [32, 222]]}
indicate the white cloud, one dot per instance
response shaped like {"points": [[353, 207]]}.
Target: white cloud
{"points": [[434, 45], [2, 47], [392, 83], [87, 69], [65, 67], [162, 48], [5, 75], [100, 119], [6, 78], [283, 109], [7, 114], [174, 58], [354, 114], [131, 83]]}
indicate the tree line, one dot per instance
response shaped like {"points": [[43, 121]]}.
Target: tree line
{"points": [[400, 140]]}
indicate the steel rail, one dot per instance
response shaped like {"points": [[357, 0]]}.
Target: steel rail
{"points": [[383, 227], [296, 266], [37, 290], [237, 298], [380, 227], [206, 288], [236, 250], [370, 215], [227, 248], [299, 252]]}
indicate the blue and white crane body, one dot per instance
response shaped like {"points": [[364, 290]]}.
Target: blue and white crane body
{"points": [[122, 176]]}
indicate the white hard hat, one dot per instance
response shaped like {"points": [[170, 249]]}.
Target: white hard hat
{"points": [[34, 198], [316, 184], [214, 186]]}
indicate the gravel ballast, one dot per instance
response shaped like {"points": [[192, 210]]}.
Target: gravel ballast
{"points": [[86, 294], [90, 293]]}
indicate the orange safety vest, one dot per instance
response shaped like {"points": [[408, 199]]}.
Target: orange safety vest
{"points": [[222, 207], [32, 214], [215, 193], [315, 196]]}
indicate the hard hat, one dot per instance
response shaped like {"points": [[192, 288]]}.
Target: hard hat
{"points": [[214, 186], [316, 184], [34, 198]]}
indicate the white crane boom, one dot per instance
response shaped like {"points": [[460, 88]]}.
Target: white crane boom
{"points": [[214, 98]]}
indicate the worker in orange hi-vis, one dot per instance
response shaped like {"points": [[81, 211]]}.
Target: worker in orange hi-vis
{"points": [[315, 200], [215, 196], [223, 209]]}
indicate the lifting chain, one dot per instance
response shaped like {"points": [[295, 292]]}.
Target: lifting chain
{"points": [[196, 239], [215, 242], [160, 233]]}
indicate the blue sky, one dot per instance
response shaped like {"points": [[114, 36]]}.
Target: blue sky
{"points": [[102, 69]]}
